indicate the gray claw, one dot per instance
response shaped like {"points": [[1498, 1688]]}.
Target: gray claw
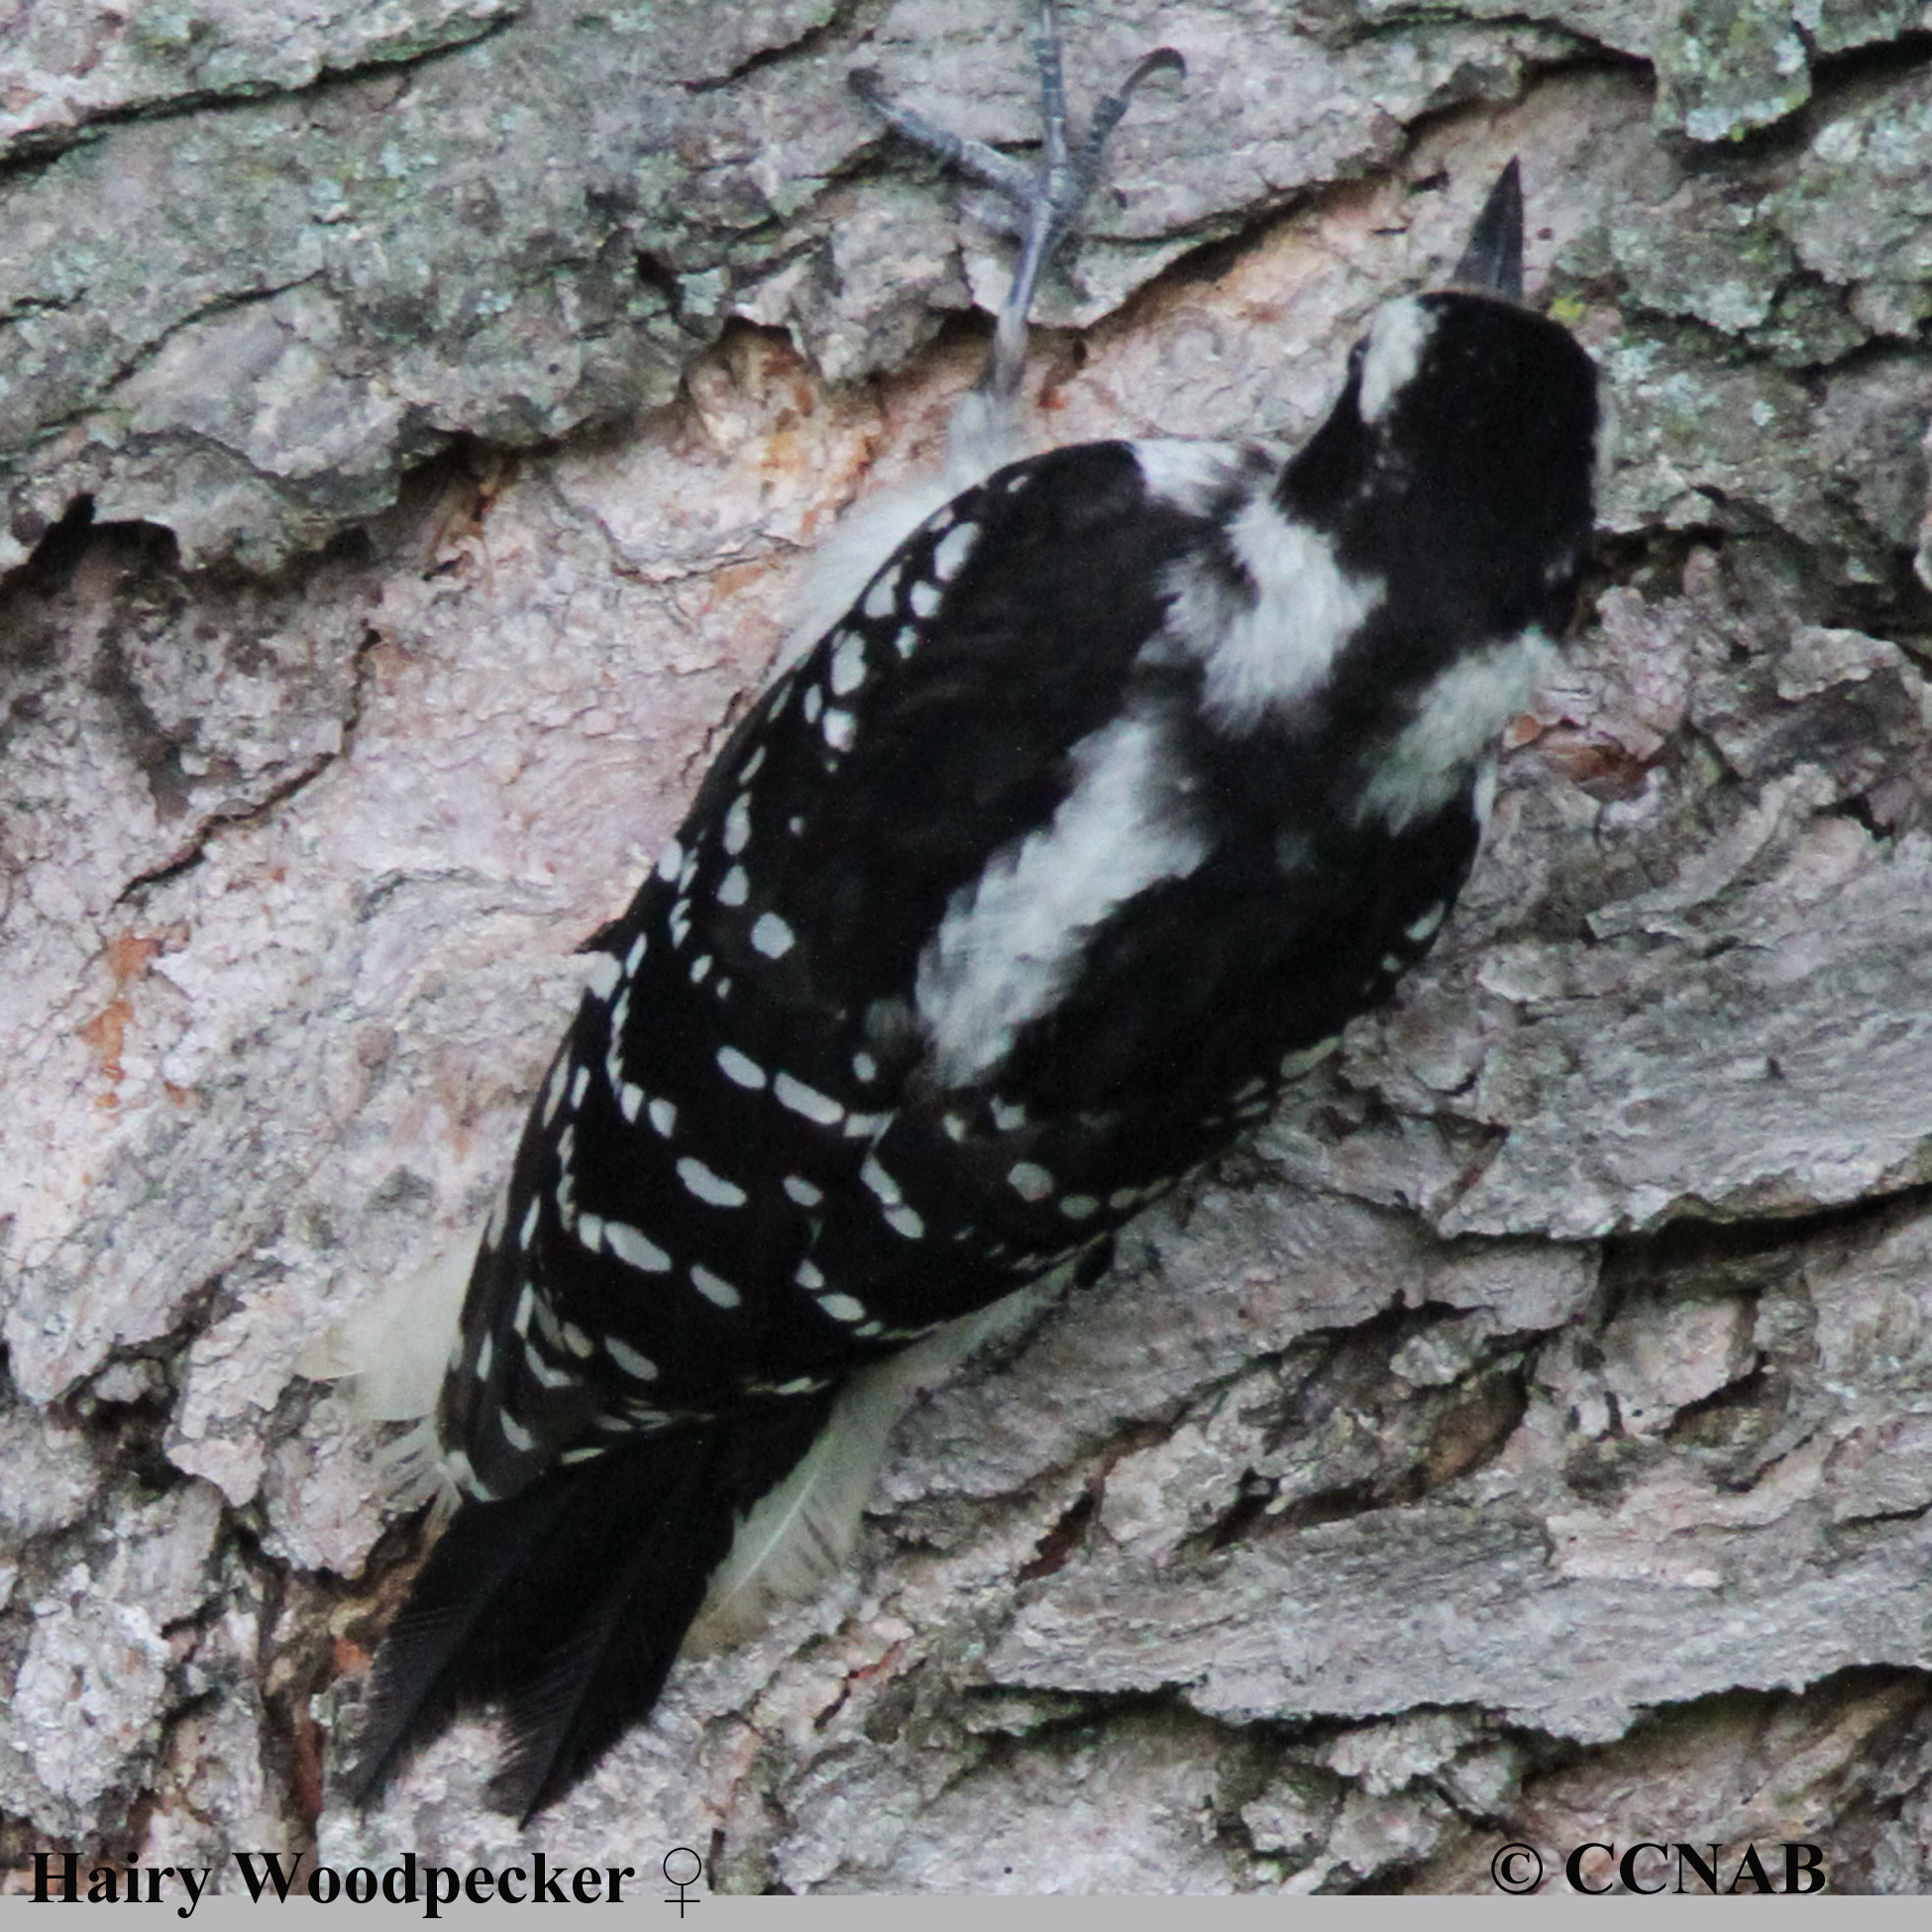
{"points": [[1048, 199]]}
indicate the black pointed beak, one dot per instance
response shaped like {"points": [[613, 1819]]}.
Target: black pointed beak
{"points": [[1493, 261]]}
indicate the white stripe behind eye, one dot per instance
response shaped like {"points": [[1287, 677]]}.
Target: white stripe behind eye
{"points": [[1012, 939], [1396, 341]]}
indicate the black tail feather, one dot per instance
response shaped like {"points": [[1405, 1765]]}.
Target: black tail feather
{"points": [[567, 1604]]}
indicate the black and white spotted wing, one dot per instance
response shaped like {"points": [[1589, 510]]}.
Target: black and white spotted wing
{"points": [[746, 1172]]}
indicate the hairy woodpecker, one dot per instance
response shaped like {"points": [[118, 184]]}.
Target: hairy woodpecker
{"points": [[1129, 776]]}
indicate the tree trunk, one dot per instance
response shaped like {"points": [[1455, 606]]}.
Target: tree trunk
{"points": [[414, 422]]}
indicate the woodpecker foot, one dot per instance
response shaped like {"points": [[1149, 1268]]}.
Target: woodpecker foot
{"points": [[1046, 200]]}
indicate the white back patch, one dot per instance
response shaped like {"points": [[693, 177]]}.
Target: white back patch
{"points": [[1277, 647], [1396, 340], [1454, 730], [1187, 475], [1011, 940]]}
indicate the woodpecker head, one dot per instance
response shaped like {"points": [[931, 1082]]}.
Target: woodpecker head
{"points": [[1457, 466]]}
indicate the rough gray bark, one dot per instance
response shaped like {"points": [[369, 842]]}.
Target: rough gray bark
{"points": [[1525, 1437]]}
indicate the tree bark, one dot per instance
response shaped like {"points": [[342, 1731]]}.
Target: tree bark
{"points": [[415, 421]]}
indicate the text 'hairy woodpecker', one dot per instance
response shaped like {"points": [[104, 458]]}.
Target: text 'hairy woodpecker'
{"points": [[1131, 777]]}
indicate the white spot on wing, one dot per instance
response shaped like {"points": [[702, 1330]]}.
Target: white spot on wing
{"points": [[709, 1187], [848, 664], [632, 1245], [544, 1374], [925, 598], [953, 550], [840, 729], [734, 888], [605, 975], [714, 1288], [664, 1116], [806, 1193], [1425, 927], [1305, 1059], [1029, 1181], [740, 1068], [879, 600], [807, 1101], [642, 1367], [1012, 940], [772, 936], [669, 860]]}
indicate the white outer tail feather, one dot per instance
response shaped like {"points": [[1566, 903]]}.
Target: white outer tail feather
{"points": [[799, 1536], [390, 1355]]}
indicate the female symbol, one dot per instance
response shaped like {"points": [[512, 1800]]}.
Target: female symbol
{"points": [[684, 1884]]}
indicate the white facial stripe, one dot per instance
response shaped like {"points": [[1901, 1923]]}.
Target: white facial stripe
{"points": [[1396, 341], [1012, 940], [1456, 722]]}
